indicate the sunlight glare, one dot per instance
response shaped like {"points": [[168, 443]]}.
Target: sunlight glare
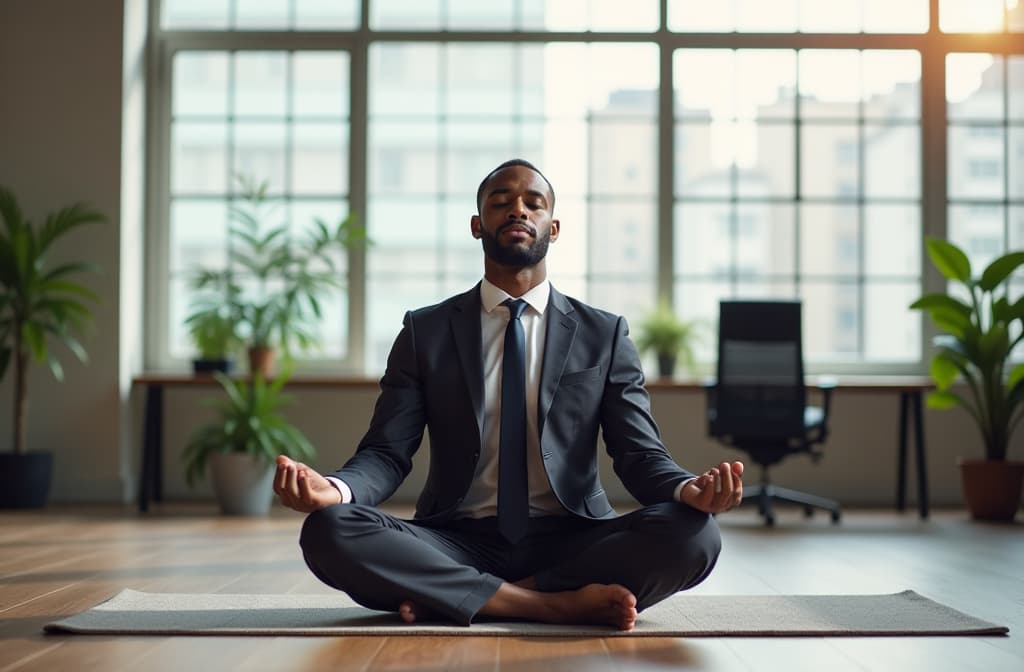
{"points": [[963, 75]]}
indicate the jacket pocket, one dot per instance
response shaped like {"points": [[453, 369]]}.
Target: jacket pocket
{"points": [[597, 505], [580, 377]]}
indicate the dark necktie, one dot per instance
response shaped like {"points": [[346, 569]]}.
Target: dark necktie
{"points": [[513, 497]]}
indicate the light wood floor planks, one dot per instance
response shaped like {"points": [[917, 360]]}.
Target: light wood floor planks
{"points": [[60, 561]]}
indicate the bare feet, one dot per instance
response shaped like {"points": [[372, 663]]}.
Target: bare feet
{"points": [[596, 603], [408, 612], [411, 613]]}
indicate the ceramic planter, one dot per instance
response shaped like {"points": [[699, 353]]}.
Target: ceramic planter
{"points": [[242, 483], [992, 488]]}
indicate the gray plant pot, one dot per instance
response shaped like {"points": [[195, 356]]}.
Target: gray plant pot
{"points": [[243, 484]]}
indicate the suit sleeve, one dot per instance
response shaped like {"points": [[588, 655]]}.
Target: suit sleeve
{"points": [[383, 458], [630, 432]]}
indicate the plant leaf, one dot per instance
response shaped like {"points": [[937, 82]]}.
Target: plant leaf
{"points": [[943, 400], [943, 370], [949, 259], [999, 270]]}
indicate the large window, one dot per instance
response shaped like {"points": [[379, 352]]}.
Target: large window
{"points": [[441, 116], [985, 107], [699, 149], [798, 175], [275, 117]]}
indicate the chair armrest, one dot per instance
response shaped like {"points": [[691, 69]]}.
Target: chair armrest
{"points": [[711, 402], [826, 385]]}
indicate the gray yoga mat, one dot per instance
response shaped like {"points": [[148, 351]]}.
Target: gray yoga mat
{"points": [[907, 613]]}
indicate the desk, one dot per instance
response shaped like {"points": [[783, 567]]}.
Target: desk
{"points": [[909, 388], [151, 478], [911, 391]]}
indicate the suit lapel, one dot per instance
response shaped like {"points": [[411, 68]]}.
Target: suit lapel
{"points": [[558, 340], [465, 323]]}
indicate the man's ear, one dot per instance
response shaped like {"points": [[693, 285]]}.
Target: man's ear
{"points": [[556, 226], [474, 225]]}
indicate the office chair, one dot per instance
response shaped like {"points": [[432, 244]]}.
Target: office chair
{"points": [[758, 402]]}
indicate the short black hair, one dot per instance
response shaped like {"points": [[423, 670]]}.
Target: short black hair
{"points": [[508, 164]]}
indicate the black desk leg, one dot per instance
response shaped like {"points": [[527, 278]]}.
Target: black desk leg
{"points": [[901, 458], [922, 473], [150, 483]]}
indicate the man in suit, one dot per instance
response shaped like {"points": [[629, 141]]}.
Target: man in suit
{"points": [[512, 521]]}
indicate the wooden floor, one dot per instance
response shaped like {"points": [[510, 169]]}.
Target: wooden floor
{"points": [[61, 561]]}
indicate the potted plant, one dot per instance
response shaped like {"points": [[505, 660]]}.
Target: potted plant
{"points": [[981, 327], [213, 326], [240, 446], [278, 281], [669, 338], [40, 304]]}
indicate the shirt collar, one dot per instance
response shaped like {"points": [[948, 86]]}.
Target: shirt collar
{"points": [[492, 297]]}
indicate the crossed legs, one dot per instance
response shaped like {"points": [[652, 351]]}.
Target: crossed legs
{"points": [[569, 570]]}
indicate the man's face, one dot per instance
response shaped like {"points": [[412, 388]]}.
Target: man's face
{"points": [[515, 224]]}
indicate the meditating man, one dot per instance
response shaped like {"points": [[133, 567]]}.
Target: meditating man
{"points": [[513, 381]]}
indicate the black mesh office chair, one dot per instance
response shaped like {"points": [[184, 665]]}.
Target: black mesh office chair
{"points": [[758, 402]]}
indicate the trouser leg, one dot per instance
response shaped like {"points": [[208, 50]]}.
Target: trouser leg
{"points": [[655, 552], [382, 561]]}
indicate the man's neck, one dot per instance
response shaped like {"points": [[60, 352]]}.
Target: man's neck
{"points": [[515, 281]]}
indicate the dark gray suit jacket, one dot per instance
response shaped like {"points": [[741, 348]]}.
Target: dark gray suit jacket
{"points": [[591, 380]]}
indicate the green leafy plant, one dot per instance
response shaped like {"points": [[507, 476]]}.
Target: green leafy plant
{"points": [[248, 421], [39, 303], [981, 326], [275, 281], [662, 332], [213, 327]]}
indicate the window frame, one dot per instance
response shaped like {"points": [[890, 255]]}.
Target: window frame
{"points": [[933, 45]]}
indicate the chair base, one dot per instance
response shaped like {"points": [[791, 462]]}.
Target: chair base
{"points": [[765, 497]]}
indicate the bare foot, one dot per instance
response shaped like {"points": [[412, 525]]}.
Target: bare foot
{"points": [[596, 603], [411, 613]]}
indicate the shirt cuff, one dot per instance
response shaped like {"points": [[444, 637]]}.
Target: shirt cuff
{"points": [[342, 486], [679, 488]]}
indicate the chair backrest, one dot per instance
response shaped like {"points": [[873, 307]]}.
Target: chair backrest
{"points": [[760, 392]]}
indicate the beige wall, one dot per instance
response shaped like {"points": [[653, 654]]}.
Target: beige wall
{"points": [[60, 142], [63, 132]]}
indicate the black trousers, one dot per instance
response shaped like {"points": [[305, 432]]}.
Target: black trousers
{"points": [[382, 561]]}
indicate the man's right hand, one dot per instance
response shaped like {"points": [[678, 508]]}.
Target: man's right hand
{"points": [[302, 488]]}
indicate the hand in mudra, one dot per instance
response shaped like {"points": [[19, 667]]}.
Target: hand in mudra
{"points": [[302, 488], [716, 490]]}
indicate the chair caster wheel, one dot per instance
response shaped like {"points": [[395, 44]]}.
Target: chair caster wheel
{"points": [[769, 521], [835, 517], [808, 512]]}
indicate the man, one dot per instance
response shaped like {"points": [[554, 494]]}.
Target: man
{"points": [[512, 521]]}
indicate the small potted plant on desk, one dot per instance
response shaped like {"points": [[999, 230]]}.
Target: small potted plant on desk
{"points": [[214, 329], [669, 338], [40, 304], [982, 326], [240, 446]]}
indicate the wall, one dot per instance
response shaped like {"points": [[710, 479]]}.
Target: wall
{"points": [[60, 142]]}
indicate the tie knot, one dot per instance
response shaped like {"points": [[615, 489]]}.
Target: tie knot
{"points": [[515, 308]]}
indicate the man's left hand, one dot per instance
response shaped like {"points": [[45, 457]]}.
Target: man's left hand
{"points": [[717, 489]]}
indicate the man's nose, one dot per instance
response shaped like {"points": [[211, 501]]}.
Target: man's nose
{"points": [[518, 208]]}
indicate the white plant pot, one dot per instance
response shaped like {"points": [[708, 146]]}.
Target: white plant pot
{"points": [[243, 484]]}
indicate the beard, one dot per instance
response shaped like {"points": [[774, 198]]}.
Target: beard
{"points": [[515, 256]]}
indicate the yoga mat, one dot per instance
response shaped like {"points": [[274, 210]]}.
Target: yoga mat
{"points": [[907, 613]]}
